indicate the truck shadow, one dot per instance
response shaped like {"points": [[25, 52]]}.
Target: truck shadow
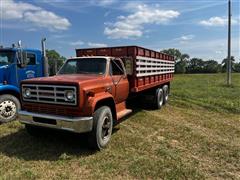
{"points": [[50, 145], [53, 145]]}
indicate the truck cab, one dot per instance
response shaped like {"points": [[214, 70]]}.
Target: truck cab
{"points": [[16, 64], [84, 89]]}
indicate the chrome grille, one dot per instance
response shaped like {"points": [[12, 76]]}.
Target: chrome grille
{"points": [[52, 94]]}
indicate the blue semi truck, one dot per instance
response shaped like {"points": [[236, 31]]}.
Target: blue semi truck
{"points": [[17, 64]]}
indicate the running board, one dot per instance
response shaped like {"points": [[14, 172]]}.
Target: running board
{"points": [[123, 113]]}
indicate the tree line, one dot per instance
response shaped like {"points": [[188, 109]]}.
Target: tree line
{"points": [[185, 64]]}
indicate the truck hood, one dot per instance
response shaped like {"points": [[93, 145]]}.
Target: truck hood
{"points": [[65, 79]]}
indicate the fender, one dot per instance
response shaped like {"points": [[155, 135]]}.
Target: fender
{"points": [[92, 101], [10, 89]]}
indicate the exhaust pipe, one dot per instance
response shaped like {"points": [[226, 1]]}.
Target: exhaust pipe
{"points": [[45, 59]]}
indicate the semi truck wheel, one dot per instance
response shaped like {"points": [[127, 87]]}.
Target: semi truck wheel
{"points": [[165, 94], [102, 128], [158, 102], [9, 106]]}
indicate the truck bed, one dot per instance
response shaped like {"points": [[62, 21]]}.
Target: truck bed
{"points": [[145, 68]]}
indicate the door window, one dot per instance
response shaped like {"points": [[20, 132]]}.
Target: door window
{"points": [[116, 68], [31, 59]]}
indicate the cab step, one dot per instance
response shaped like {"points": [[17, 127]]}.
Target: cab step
{"points": [[123, 113]]}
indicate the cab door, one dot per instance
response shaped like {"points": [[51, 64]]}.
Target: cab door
{"points": [[30, 70], [119, 80]]}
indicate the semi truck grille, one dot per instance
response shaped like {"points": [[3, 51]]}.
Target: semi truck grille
{"points": [[52, 94]]}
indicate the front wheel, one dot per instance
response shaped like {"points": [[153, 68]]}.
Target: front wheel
{"points": [[102, 128], [9, 106]]}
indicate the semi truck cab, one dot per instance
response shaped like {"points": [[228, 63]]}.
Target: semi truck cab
{"points": [[16, 64]]}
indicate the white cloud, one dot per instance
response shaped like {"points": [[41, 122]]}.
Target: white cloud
{"points": [[34, 15], [217, 21], [132, 26], [76, 43], [219, 52], [186, 37], [106, 2], [47, 19], [102, 3], [97, 44]]}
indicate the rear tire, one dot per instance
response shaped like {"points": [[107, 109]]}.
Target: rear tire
{"points": [[165, 94], [158, 99], [9, 107], [102, 128]]}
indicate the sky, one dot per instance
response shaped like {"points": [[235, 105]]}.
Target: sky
{"points": [[196, 27]]}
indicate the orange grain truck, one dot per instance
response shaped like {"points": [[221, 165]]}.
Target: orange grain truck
{"points": [[89, 93]]}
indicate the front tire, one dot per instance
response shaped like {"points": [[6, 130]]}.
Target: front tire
{"points": [[9, 107], [102, 128]]}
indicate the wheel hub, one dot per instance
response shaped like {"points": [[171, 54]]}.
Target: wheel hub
{"points": [[7, 109], [106, 127]]}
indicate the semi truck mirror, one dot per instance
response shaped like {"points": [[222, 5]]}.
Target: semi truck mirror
{"points": [[24, 59]]}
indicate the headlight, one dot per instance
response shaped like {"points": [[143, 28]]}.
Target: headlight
{"points": [[27, 93], [69, 95]]}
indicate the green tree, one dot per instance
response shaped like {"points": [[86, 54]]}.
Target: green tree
{"points": [[180, 67], [195, 65], [173, 52], [55, 61], [224, 63], [211, 66], [236, 67]]}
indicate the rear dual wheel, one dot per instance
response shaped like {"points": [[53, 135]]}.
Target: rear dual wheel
{"points": [[161, 97], [165, 94]]}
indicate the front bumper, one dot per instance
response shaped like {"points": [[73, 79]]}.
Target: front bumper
{"points": [[74, 124]]}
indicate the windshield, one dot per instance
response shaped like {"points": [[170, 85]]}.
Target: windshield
{"points": [[84, 66], [6, 57]]}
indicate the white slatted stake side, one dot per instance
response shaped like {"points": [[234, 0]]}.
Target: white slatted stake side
{"points": [[149, 66]]}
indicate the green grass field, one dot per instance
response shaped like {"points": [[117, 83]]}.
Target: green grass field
{"points": [[195, 136]]}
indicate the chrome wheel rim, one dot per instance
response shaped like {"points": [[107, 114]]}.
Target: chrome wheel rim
{"points": [[166, 97], [160, 97], [106, 128], [8, 109]]}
